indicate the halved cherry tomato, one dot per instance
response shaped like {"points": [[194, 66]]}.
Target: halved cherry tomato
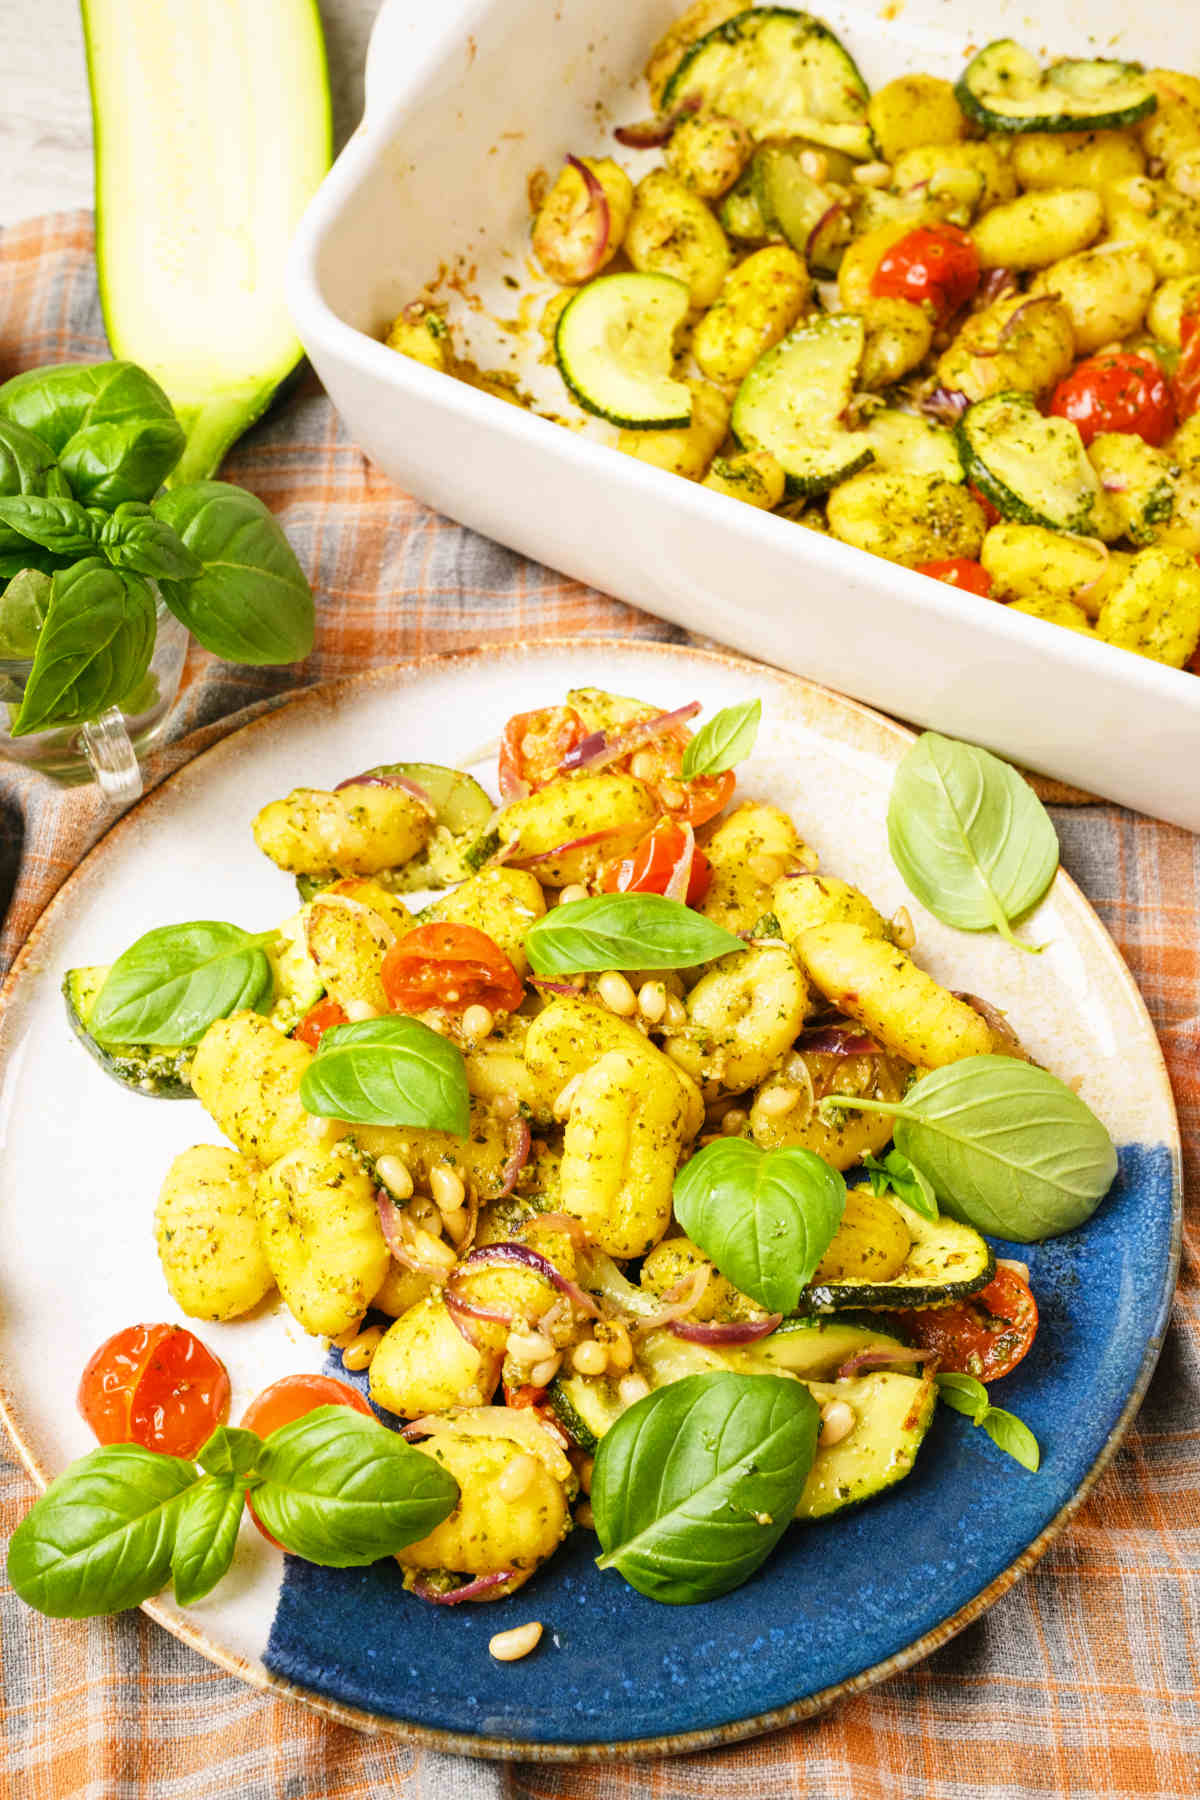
{"points": [[525, 1396], [289, 1399], [157, 1386], [1120, 392], [649, 867], [533, 745], [324, 1015], [960, 572], [938, 264], [452, 967], [991, 514], [1185, 387], [659, 765], [985, 1336]]}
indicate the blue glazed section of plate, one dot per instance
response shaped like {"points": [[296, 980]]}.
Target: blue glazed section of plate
{"points": [[835, 1600]]}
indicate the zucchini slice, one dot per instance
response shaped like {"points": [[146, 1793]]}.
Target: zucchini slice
{"points": [[463, 810], [741, 213], [161, 1072], [783, 74], [213, 130], [585, 1406], [1033, 469], [911, 445], [615, 345], [792, 402], [298, 983], [1004, 88], [946, 1261], [813, 220], [892, 1414]]}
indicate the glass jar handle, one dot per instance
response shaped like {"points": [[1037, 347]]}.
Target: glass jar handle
{"points": [[109, 752]]}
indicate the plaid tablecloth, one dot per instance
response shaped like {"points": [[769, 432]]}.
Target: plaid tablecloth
{"points": [[1084, 1680]]}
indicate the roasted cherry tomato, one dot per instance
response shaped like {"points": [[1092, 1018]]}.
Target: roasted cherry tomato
{"points": [[649, 868], [1120, 392], [325, 1014], [938, 264], [659, 765], [452, 967], [289, 1399], [155, 1385], [1185, 387], [985, 1336], [960, 572], [991, 514], [533, 746]]}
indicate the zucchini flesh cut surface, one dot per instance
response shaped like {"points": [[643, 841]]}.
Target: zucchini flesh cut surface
{"points": [[783, 74], [462, 811], [298, 983], [213, 130], [162, 1072], [806, 213], [892, 1414], [912, 445], [1033, 469], [615, 345], [946, 1261], [1005, 89], [792, 401]]}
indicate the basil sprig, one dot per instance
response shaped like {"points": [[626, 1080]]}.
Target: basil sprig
{"points": [[93, 648], [23, 608], [335, 1487], [251, 602], [764, 1217], [696, 1483], [624, 931], [969, 835], [1007, 1432], [393, 1071], [1008, 1147], [177, 980], [895, 1174], [727, 739]]}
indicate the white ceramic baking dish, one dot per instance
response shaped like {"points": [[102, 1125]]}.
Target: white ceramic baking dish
{"points": [[464, 100]]}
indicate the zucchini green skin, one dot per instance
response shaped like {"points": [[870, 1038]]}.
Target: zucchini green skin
{"points": [[782, 407], [583, 366], [947, 1261], [1022, 508], [160, 1073], [894, 1411], [980, 98]]}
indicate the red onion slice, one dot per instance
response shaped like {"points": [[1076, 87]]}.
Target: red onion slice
{"points": [[597, 212], [882, 1356], [545, 856], [392, 1224], [551, 987], [601, 748], [470, 1590], [575, 1229], [652, 134], [737, 1331], [391, 781], [525, 1257], [681, 875], [519, 1141], [838, 1040], [464, 1314], [678, 1301], [945, 406], [995, 283], [813, 241]]}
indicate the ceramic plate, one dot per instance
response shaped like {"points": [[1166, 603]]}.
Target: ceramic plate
{"points": [[840, 1604]]}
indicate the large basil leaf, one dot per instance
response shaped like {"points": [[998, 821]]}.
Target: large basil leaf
{"points": [[727, 739], [970, 837], [252, 604], [133, 538], [94, 648], [206, 1535], [624, 931], [694, 1486], [61, 526], [23, 608], [391, 1071], [765, 1217], [1008, 1147], [111, 426], [177, 980], [27, 466], [342, 1490], [101, 1536]]}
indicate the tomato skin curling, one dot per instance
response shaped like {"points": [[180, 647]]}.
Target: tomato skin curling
{"points": [[533, 746], [1124, 392], [650, 865], [157, 1386], [450, 967], [985, 1336], [960, 572], [933, 265]]}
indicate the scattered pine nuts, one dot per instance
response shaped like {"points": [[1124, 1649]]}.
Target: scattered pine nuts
{"points": [[872, 174], [358, 1354], [613, 1334], [617, 994], [589, 1358], [393, 1172], [903, 933], [777, 1101], [344, 1339], [676, 1013], [477, 1023], [447, 1187], [632, 1387], [814, 165], [358, 1011], [734, 1122], [514, 1479], [652, 1001], [838, 1420], [543, 1373], [433, 1250], [529, 1346], [562, 1106], [511, 1646], [573, 891], [423, 1214], [456, 1225]]}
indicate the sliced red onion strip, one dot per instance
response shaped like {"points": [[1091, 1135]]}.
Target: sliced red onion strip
{"points": [[465, 1316], [524, 1256], [944, 405], [601, 748], [678, 1301], [681, 875], [575, 1229], [392, 1224], [519, 1141], [881, 1356], [552, 987], [544, 856], [737, 1331], [597, 207], [813, 238], [839, 1040], [391, 781], [995, 283], [652, 134], [470, 1590]]}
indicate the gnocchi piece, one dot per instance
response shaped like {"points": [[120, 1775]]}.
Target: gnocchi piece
{"points": [[496, 1070], [1155, 610], [1166, 308], [786, 1113], [1105, 292], [1138, 482], [422, 334], [624, 1132], [749, 852], [1089, 159], [424, 1364], [1184, 447], [563, 236], [863, 257], [356, 831], [906, 519], [758, 304], [1173, 128], [926, 162], [1164, 224], [247, 1076], [348, 942], [207, 1234], [708, 152], [1056, 610], [701, 16], [321, 1235], [801, 902], [1027, 561], [479, 1158], [871, 1243], [899, 335], [672, 232], [1011, 344], [524, 1293], [901, 1005], [556, 816], [743, 1015], [673, 1260], [569, 1035], [753, 476], [688, 450], [504, 903], [504, 1519], [402, 1288], [914, 110], [1039, 228]]}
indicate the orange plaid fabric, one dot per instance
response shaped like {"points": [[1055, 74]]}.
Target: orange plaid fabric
{"points": [[1084, 1680]]}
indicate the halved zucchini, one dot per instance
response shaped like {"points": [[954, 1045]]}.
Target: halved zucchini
{"points": [[892, 1414], [814, 220], [946, 1261], [1004, 88], [298, 982], [615, 345], [1033, 469], [163, 1073], [463, 809], [792, 401], [782, 73], [741, 213], [585, 1406], [913, 445]]}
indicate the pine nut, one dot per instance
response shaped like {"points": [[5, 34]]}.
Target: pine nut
{"points": [[529, 1346], [323, 1131], [673, 794], [872, 174], [562, 1106], [358, 1355], [448, 1189], [814, 165], [477, 1023], [423, 1215], [765, 867], [632, 1388], [435, 1250], [511, 1646], [903, 934], [589, 1358], [504, 1107], [774, 1102], [734, 1122], [616, 993], [456, 1225], [614, 1335], [573, 891], [543, 1373], [838, 1420], [643, 765], [515, 1478], [393, 1172], [344, 1339], [585, 1516], [1018, 1268], [652, 1001], [676, 1013], [358, 1011]]}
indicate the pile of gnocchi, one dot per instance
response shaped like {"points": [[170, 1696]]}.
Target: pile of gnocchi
{"points": [[954, 325]]}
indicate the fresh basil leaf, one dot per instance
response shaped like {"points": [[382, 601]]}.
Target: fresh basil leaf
{"points": [[963, 1393], [110, 425], [132, 538], [624, 931], [23, 608], [58, 525], [342, 1490], [101, 1536], [252, 602], [695, 1484], [728, 738], [27, 466], [969, 835], [895, 1174], [206, 1535], [765, 1217], [94, 647], [392, 1071], [232, 1451], [14, 562], [1009, 1148], [1013, 1436], [176, 980]]}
